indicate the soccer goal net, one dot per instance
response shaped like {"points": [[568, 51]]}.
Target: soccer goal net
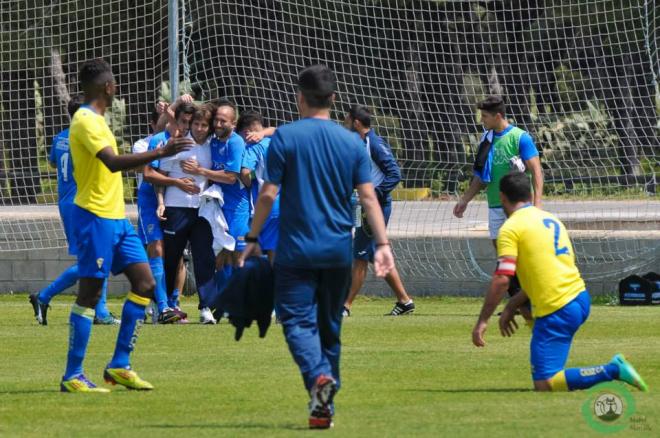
{"points": [[580, 76]]}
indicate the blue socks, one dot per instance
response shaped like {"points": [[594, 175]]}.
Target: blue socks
{"points": [[160, 293], [571, 379], [132, 318], [66, 279], [173, 300], [80, 321], [101, 309]]}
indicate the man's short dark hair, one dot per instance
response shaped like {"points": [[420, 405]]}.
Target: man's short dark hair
{"points": [[317, 84], [493, 104], [184, 108], [223, 101], [247, 118], [74, 104], [361, 113], [94, 74], [516, 187]]}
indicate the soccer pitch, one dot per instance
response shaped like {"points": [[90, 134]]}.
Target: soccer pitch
{"points": [[408, 376]]}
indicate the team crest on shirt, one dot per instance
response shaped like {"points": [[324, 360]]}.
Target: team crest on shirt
{"points": [[99, 262]]}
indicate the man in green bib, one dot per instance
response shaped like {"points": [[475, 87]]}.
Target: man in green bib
{"points": [[503, 148]]}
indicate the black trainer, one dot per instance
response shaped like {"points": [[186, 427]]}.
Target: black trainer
{"points": [[40, 310], [402, 309], [170, 316]]}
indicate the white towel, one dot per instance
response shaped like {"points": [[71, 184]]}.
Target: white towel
{"points": [[210, 208]]}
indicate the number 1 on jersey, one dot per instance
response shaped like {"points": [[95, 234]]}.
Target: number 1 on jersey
{"points": [[64, 164], [551, 223]]}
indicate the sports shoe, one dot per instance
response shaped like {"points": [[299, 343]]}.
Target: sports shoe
{"points": [[110, 319], [628, 374], [126, 377], [168, 316], [182, 315], [346, 312], [40, 310], [80, 384], [206, 317], [320, 405], [402, 309]]}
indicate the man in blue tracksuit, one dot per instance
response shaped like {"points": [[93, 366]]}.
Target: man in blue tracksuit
{"points": [[385, 175], [318, 164]]}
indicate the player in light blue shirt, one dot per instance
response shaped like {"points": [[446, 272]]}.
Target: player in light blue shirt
{"points": [[60, 158], [317, 163], [253, 175]]}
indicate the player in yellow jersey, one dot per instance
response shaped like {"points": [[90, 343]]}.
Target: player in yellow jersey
{"points": [[534, 245], [106, 241]]}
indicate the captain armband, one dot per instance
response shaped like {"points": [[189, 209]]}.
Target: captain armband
{"points": [[506, 266]]}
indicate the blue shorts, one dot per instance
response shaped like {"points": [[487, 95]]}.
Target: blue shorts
{"points": [[105, 245], [269, 234], [239, 225], [553, 334], [148, 224], [66, 209], [364, 246]]}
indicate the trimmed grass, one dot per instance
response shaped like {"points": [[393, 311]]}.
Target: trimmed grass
{"points": [[406, 376]]}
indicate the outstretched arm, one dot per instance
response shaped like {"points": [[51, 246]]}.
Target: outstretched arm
{"points": [[116, 163]]}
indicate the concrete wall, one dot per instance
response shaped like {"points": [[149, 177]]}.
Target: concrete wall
{"points": [[428, 265]]}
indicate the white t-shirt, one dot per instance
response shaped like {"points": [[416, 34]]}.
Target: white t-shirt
{"points": [[174, 196], [138, 147]]}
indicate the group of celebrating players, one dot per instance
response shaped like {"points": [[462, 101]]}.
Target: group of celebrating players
{"points": [[230, 188]]}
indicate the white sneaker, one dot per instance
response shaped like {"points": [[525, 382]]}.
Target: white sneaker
{"points": [[206, 317]]}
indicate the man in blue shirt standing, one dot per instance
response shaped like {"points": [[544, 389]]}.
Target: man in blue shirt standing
{"points": [[253, 176], [318, 164], [385, 175], [60, 158]]}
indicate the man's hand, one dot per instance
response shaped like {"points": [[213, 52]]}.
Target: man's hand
{"points": [[250, 250], [188, 185], [191, 166], [383, 260], [478, 334], [508, 324], [185, 98], [254, 136], [175, 145], [160, 212], [460, 208], [161, 107]]}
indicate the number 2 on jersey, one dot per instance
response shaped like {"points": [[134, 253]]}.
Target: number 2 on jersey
{"points": [[551, 223]]}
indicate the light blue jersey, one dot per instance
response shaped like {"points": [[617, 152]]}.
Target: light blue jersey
{"points": [[255, 160], [60, 156], [228, 156]]}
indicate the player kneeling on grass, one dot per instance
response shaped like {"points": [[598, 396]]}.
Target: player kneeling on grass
{"points": [[535, 245]]}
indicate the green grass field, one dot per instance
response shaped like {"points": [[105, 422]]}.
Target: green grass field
{"points": [[406, 376]]}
